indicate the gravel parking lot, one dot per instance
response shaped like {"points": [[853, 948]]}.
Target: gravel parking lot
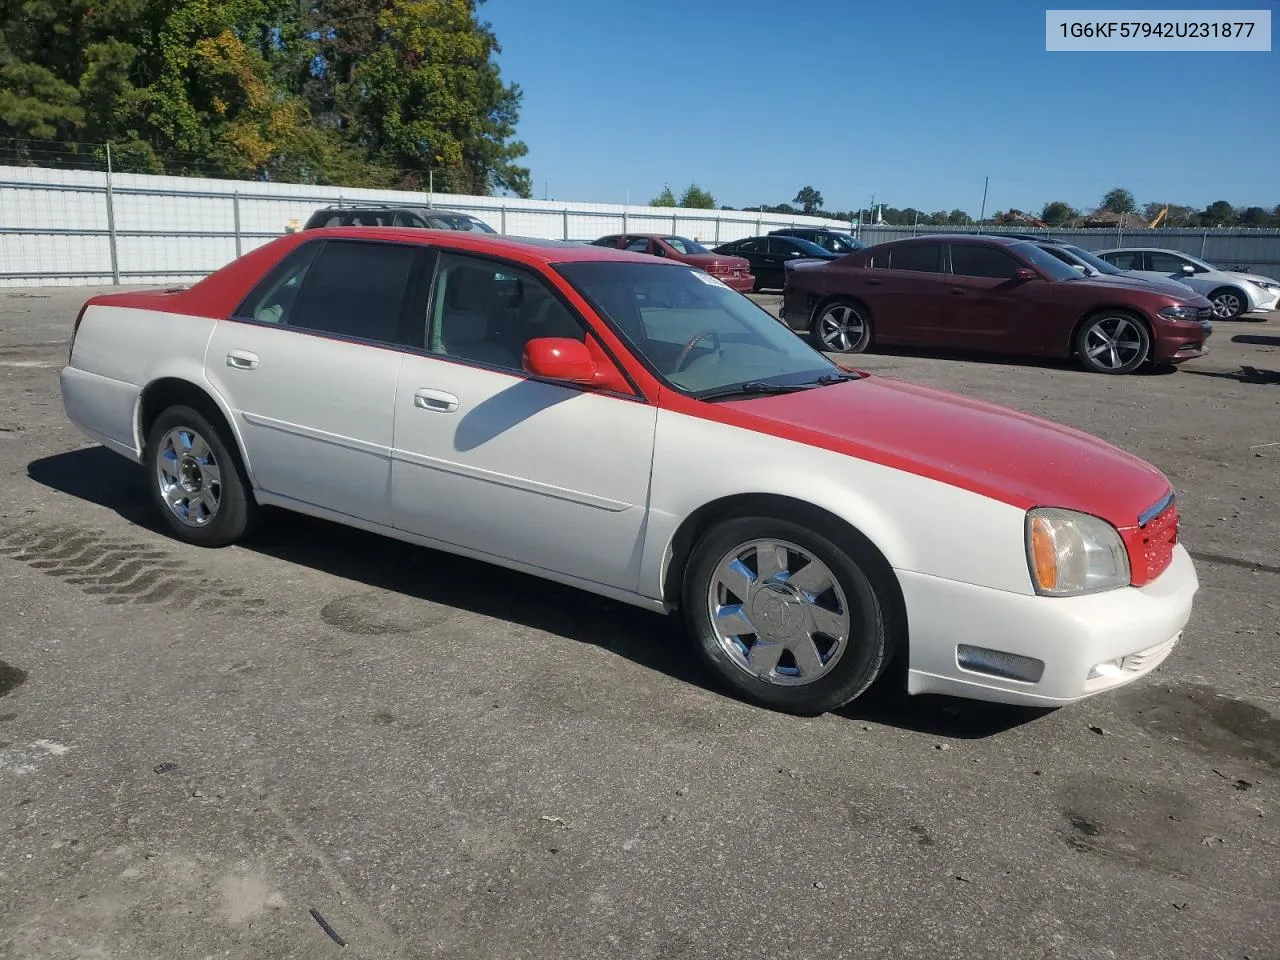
{"points": [[198, 748]]}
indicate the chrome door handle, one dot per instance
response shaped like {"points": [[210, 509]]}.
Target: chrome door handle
{"points": [[242, 359], [437, 401]]}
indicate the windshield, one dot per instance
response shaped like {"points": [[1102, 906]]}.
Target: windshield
{"points": [[1097, 263], [842, 243], [460, 222], [692, 330], [685, 245], [809, 247], [1046, 262]]}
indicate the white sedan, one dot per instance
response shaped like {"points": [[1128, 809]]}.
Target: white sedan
{"points": [[633, 427], [1232, 293]]}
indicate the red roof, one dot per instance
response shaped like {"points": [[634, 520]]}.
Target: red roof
{"points": [[516, 248]]}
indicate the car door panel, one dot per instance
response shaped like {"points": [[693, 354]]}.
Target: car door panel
{"points": [[315, 414], [539, 473], [488, 458], [314, 405]]}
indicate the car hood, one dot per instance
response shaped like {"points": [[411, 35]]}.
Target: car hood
{"points": [[1170, 288], [993, 451], [1169, 285]]}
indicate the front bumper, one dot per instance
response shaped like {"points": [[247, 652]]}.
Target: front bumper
{"points": [[1069, 636], [1267, 301], [1173, 344]]}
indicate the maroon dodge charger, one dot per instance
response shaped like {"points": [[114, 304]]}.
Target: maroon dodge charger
{"points": [[996, 294]]}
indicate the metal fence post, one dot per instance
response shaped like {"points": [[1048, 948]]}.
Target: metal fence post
{"points": [[502, 219], [1203, 241], [759, 215], [566, 223], [624, 221], [111, 224], [717, 231], [235, 209], [674, 228]]}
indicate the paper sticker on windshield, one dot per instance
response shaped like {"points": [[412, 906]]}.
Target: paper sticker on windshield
{"points": [[708, 279]]}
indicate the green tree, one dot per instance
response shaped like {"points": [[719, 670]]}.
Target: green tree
{"points": [[1119, 200], [1256, 217], [958, 218], [1218, 213], [1057, 212], [665, 199], [694, 196], [810, 200]]}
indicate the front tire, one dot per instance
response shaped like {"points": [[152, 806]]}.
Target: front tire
{"points": [[841, 326], [1228, 303], [1113, 343], [196, 479], [784, 616]]}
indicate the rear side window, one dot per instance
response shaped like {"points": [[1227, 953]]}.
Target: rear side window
{"points": [[1125, 260], [355, 289], [275, 298], [986, 262], [924, 258]]}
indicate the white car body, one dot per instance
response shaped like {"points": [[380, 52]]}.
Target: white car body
{"points": [[594, 489], [1258, 294]]}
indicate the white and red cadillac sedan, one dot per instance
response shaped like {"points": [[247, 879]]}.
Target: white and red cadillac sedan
{"points": [[633, 427]]}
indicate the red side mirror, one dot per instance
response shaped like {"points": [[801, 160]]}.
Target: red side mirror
{"points": [[559, 358]]}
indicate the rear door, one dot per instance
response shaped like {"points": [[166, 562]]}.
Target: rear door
{"points": [[905, 289], [985, 300], [309, 364]]}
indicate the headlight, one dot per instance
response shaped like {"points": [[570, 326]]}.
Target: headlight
{"points": [[1179, 313], [1267, 284], [1073, 553]]}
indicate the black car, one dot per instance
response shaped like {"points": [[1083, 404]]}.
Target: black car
{"points": [[429, 218], [768, 256], [837, 241]]}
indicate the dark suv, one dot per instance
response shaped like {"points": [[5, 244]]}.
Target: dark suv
{"points": [[429, 218], [837, 241]]}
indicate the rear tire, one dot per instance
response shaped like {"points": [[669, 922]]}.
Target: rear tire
{"points": [[785, 617], [841, 326], [196, 479]]}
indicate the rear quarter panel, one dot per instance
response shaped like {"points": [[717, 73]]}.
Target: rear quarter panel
{"points": [[117, 352]]}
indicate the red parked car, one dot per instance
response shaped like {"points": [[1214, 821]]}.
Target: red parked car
{"points": [[734, 272], [997, 294]]}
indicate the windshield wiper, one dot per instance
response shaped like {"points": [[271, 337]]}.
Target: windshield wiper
{"points": [[829, 378], [754, 387]]}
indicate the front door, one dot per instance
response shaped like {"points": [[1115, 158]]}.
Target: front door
{"points": [[490, 459], [309, 368]]}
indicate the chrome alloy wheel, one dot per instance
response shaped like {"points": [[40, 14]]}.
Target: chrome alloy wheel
{"points": [[1227, 305], [1113, 342], [778, 612], [189, 476], [841, 328]]}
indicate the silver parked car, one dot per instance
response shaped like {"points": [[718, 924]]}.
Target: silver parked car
{"points": [[1090, 265], [1232, 293]]}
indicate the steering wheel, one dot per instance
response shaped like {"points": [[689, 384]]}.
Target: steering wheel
{"points": [[688, 347]]}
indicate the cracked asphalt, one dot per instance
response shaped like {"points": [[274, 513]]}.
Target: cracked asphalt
{"points": [[442, 759]]}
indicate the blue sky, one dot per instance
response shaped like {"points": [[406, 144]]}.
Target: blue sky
{"points": [[914, 102]]}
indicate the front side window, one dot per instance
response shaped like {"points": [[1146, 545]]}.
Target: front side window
{"points": [[692, 330], [986, 262], [485, 312], [1166, 262], [638, 245]]}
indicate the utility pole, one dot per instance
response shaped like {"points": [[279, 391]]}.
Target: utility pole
{"points": [[544, 188], [983, 214]]}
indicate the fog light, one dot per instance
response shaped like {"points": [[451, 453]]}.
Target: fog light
{"points": [[1112, 668], [998, 663]]}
